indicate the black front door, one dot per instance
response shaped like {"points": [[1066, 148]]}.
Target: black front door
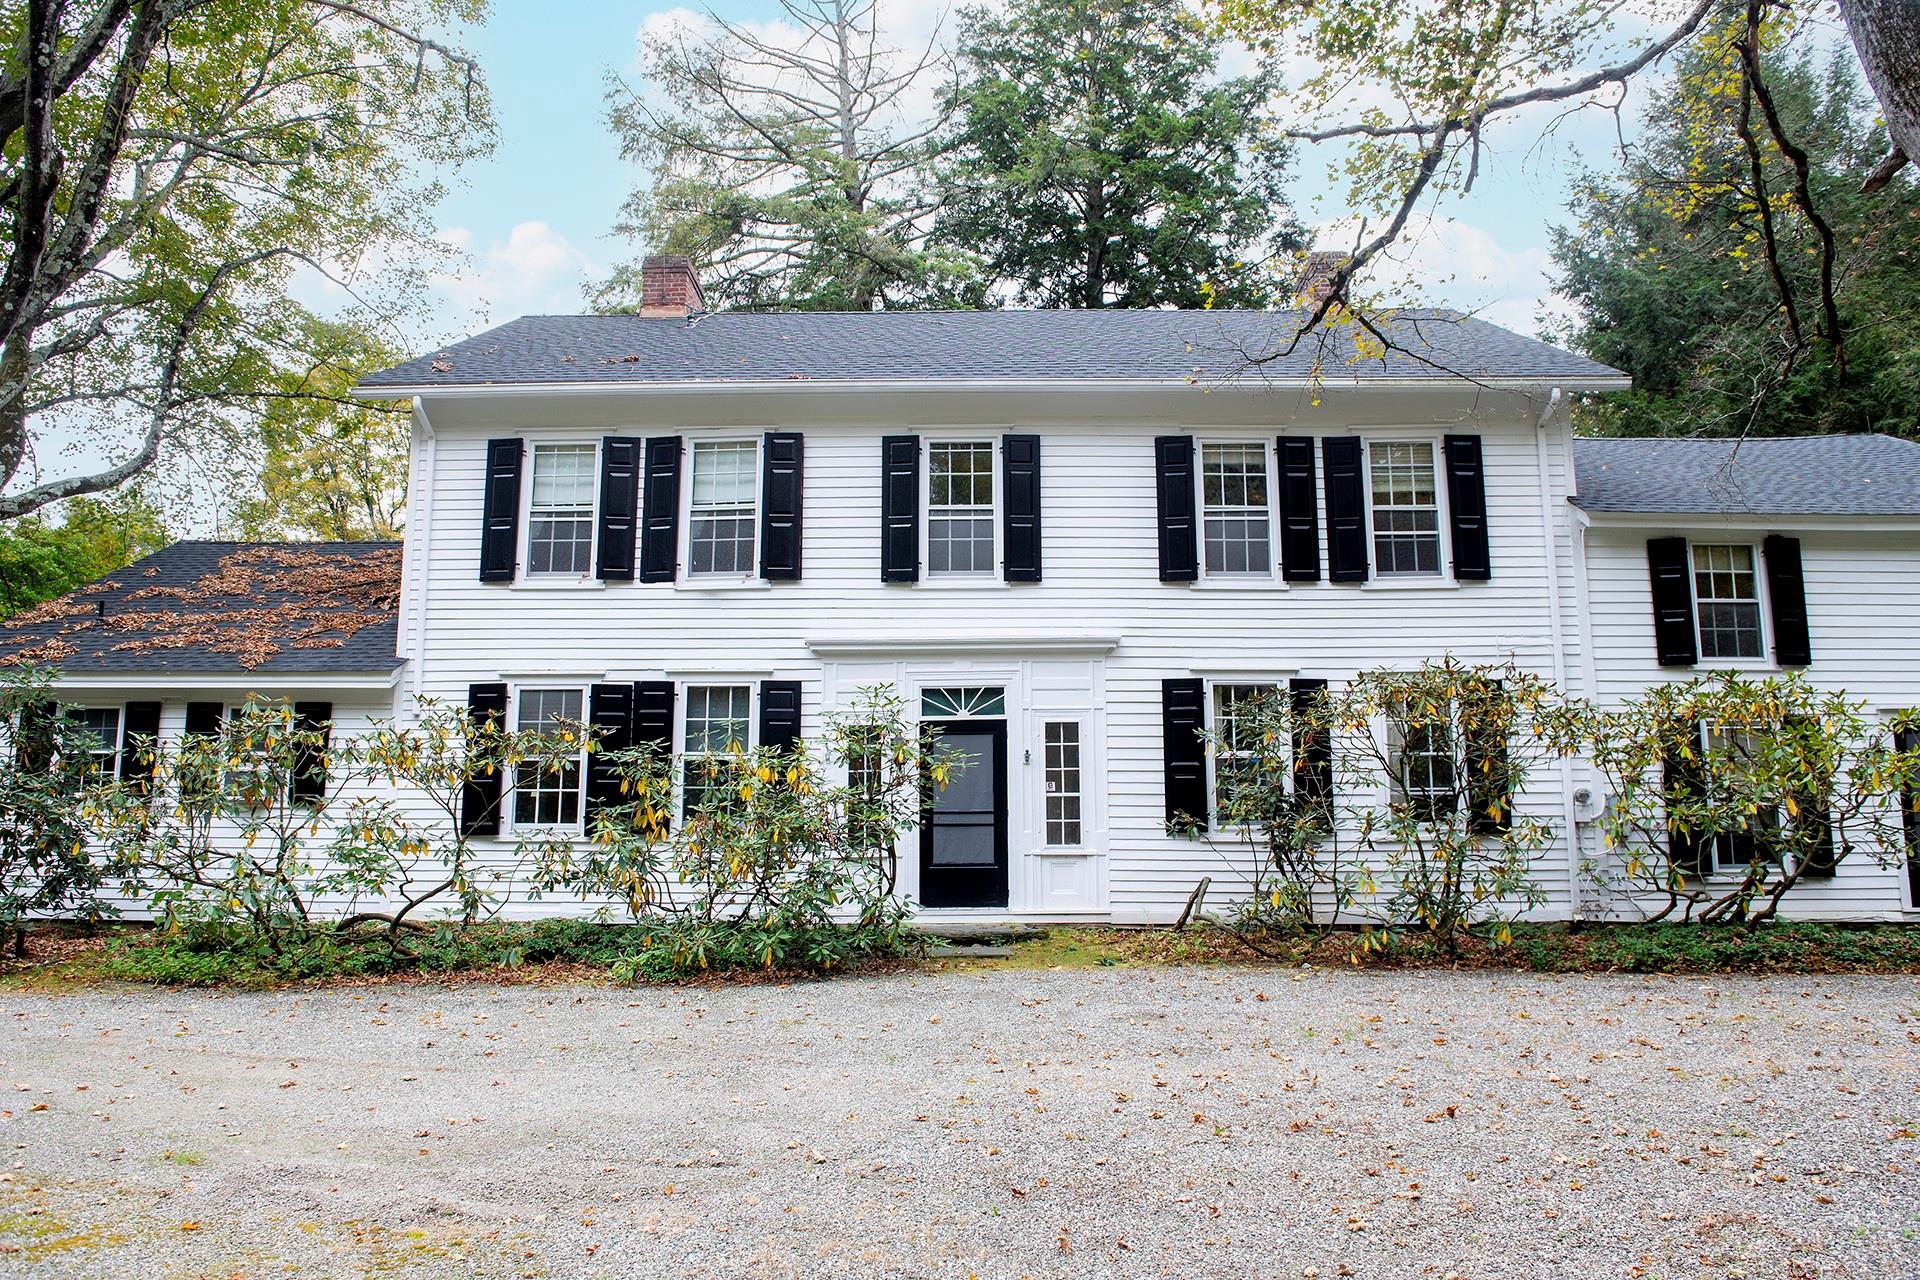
{"points": [[963, 829]]}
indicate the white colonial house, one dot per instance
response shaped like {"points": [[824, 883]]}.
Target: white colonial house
{"points": [[1070, 538]]}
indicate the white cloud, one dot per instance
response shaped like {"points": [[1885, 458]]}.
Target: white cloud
{"points": [[1445, 262], [535, 269]]}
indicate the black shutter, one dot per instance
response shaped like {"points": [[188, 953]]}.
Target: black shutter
{"points": [[1467, 509], [1175, 496], [139, 743], [1818, 860], [900, 509], [500, 514], [33, 737], [481, 794], [653, 726], [1020, 506], [1344, 462], [619, 507], [779, 714], [1183, 717], [610, 712], [1909, 740], [1484, 753], [203, 719], [1787, 595], [782, 473], [660, 539], [309, 782], [1685, 777], [1673, 635], [1299, 512], [1312, 742]]}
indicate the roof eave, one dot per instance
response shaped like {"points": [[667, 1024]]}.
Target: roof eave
{"points": [[707, 386], [1605, 517], [263, 681]]}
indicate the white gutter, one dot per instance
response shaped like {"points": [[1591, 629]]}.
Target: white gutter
{"points": [[789, 386], [1556, 625], [278, 681], [414, 548], [1721, 520]]}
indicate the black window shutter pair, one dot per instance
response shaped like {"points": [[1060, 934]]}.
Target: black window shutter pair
{"points": [[656, 527], [1674, 637], [900, 508], [139, 739], [309, 782], [1176, 499], [1183, 703], [1344, 465]]}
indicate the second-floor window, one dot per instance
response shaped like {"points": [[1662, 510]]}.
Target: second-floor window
{"points": [[960, 508], [1726, 592], [721, 513], [1233, 497], [1406, 507], [560, 510]]}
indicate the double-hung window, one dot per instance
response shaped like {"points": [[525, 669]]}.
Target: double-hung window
{"points": [[1735, 851], [100, 726], [1236, 738], [546, 790], [1235, 509], [1421, 749], [1406, 507], [560, 510], [1726, 591], [960, 516], [719, 718], [722, 511]]}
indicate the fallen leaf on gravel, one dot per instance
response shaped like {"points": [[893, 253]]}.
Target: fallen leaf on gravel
{"points": [[190, 1226]]}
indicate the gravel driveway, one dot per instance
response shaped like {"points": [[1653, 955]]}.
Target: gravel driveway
{"points": [[1123, 1122]]}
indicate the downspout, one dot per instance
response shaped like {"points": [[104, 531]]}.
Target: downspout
{"points": [[1556, 626], [420, 535]]}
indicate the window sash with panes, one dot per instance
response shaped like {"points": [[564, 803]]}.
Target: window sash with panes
{"points": [[102, 725], [718, 721], [1063, 783], [1406, 507], [1235, 509], [721, 510], [1726, 592], [1235, 734], [960, 508], [546, 792], [1424, 776], [560, 510], [1734, 851]]}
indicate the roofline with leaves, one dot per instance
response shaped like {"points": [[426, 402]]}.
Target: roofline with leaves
{"points": [[788, 386]]}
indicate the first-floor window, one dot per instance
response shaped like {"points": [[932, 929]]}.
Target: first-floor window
{"points": [[1421, 748], [721, 511], [1234, 507], [1063, 783], [1406, 507], [546, 791], [1726, 592], [1236, 736], [100, 726], [960, 508], [560, 510], [1735, 851], [718, 718]]}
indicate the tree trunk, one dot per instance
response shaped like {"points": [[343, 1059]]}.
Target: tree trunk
{"points": [[1886, 35], [1095, 290]]}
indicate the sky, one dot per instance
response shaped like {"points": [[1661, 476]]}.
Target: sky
{"points": [[534, 218]]}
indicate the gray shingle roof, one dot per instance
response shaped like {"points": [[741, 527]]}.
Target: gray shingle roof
{"points": [[1864, 475], [223, 607], [1063, 346]]}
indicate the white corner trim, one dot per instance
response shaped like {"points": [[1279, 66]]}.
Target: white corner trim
{"points": [[870, 646]]}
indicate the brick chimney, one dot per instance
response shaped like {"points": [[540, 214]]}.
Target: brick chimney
{"points": [[1316, 277], [668, 286]]}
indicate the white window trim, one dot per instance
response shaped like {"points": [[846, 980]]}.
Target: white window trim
{"points": [[1443, 522], [509, 827], [1764, 659], [524, 576], [686, 577], [1250, 579], [992, 575], [119, 730]]}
